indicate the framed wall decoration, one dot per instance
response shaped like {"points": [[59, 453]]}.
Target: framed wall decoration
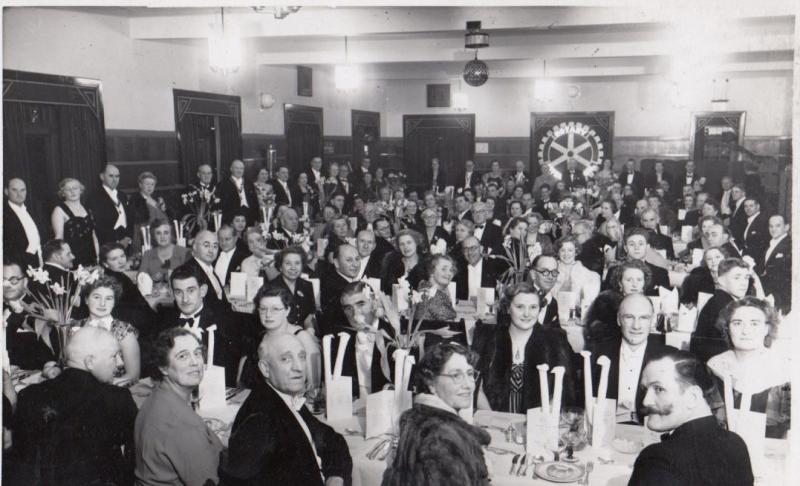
{"points": [[304, 81], [556, 137]]}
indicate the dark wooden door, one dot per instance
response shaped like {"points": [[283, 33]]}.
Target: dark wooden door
{"points": [[209, 130], [303, 127], [366, 130], [715, 139], [53, 128], [451, 138]]}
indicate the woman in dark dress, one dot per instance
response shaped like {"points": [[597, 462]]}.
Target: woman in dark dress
{"points": [[74, 223], [407, 262], [131, 306], [704, 277]]}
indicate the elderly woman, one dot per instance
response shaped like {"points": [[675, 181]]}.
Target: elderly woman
{"points": [[165, 256], [309, 206], [538, 233], [131, 306], [100, 298], [273, 307], [290, 262], [260, 258], [173, 444], [436, 446], [573, 277], [407, 262], [263, 187], [145, 207], [437, 305], [509, 353], [432, 232], [337, 232], [750, 325], [612, 229], [74, 224], [600, 321]]}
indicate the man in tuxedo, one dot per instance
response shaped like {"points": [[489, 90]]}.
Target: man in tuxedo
{"points": [[476, 272], [520, 177], [290, 225], [776, 269], [572, 176], [191, 312], [204, 253], [73, 429], [694, 448], [756, 233], [649, 221], [726, 203], [315, 176], [367, 357], [346, 265], [370, 258], [58, 260], [628, 355], [733, 279], [543, 201], [493, 194], [633, 178], [111, 210], [284, 195], [463, 210], [489, 234], [21, 238], [363, 168], [470, 176], [689, 176], [593, 243], [230, 256], [237, 192], [26, 348], [383, 237], [544, 273], [637, 247], [738, 219], [275, 440], [655, 178], [435, 177], [716, 234]]}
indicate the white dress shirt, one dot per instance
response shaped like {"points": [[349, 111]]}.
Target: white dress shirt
{"points": [[363, 269], [630, 178], [478, 231], [750, 220], [724, 204], [467, 178], [29, 226], [209, 270], [286, 190], [122, 220], [630, 366], [223, 262], [294, 404], [317, 175], [773, 243], [474, 278], [364, 348], [239, 183]]}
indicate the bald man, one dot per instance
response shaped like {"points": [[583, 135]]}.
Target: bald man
{"points": [[205, 250], [275, 440], [628, 353], [236, 192], [70, 430], [476, 271]]}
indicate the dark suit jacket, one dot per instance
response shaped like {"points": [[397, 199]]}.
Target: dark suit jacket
{"points": [[492, 238], [439, 233], [269, 447], [474, 178], [382, 248], [611, 349], [660, 279], [131, 306], [738, 223], [393, 269], [637, 184], [303, 303], [105, 216], [25, 349], [374, 264], [440, 179], [211, 299], [662, 242], [349, 367], [70, 430], [492, 269], [651, 180], [330, 293], [699, 452], [575, 179], [756, 239], [707, 338], [281, 197], [777, 274], [230, 202], [546, 345], [681, 180], [235, 265], [15, 241]]}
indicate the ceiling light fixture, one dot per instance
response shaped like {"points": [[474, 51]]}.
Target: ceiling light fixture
{"points": [[224, 49], [346, 76], [278, 12], [476, 72]]}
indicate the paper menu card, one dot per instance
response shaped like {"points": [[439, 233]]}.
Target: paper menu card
{"points": [[145, 283], [238, 287], [686, 234], [697, 257], [212, 389]]}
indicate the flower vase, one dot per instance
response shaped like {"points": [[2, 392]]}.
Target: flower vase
{"points": [[63, 330]]}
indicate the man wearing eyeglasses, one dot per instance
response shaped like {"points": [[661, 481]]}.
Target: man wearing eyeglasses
{"points": [[544, 272], [476, 271], [628, 354]]}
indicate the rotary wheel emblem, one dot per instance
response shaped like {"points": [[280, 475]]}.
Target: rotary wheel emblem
{"points": [[570, 140]]}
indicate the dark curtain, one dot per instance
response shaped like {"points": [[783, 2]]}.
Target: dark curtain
{"points": [[451, 145], [230, 140], [82, 145], [304, 142], [196, 144], [14, 152]]}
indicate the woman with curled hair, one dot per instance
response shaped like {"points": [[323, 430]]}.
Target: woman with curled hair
{"points": [[704, 277], [74, 223], [750, 325], [146, 207], [461, 230], [100, 298], [510, 351], [290, 262], [436, 446], [437, 306], [164, 256], [173, 443], [600, 321], [407, 262], [573, 276]]}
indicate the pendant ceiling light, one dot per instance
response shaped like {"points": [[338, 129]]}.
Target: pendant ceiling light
{"points": [[346, 76], [476, 72], [224, 49]]}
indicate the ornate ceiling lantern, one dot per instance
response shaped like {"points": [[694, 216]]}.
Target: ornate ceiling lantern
{"points": [[476, 72]]}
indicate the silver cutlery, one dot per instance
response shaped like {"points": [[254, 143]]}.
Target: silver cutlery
{"points": [[589, 468], [233, 392], [514, 464]]}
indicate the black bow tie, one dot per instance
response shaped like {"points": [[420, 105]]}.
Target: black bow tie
{"points": [[189, 320], [480, 226]]}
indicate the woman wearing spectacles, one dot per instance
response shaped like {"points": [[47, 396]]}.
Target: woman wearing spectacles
{"points": [[509, 354], [436, 446]]}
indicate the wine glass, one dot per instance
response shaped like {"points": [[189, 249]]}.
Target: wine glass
{"points": [[572, 430]]}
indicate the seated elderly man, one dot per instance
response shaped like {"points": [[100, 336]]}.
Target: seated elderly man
{"points": [[694, 448], [70, 430], [275, 439]]}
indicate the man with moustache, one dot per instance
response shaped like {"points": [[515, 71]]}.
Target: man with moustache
{"points": [[628, 354], [694, 448], [275, 440]]}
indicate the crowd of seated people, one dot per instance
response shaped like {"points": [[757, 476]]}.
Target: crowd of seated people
{"points": [[610, 241]]}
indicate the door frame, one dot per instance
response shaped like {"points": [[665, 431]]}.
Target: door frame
{"points": [[355, 115], [187, 102], [408, 128]]}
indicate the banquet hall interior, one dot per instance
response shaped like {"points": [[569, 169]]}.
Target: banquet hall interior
{"points": [[274, 132]]}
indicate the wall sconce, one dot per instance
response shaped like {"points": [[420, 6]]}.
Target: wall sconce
{"points": [[265, 101]]}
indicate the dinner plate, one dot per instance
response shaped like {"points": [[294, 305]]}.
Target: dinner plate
{"points": [[627, 446], [559, 472]]}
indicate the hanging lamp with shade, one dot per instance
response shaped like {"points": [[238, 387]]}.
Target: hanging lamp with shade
{"points": [[224, 49]]}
